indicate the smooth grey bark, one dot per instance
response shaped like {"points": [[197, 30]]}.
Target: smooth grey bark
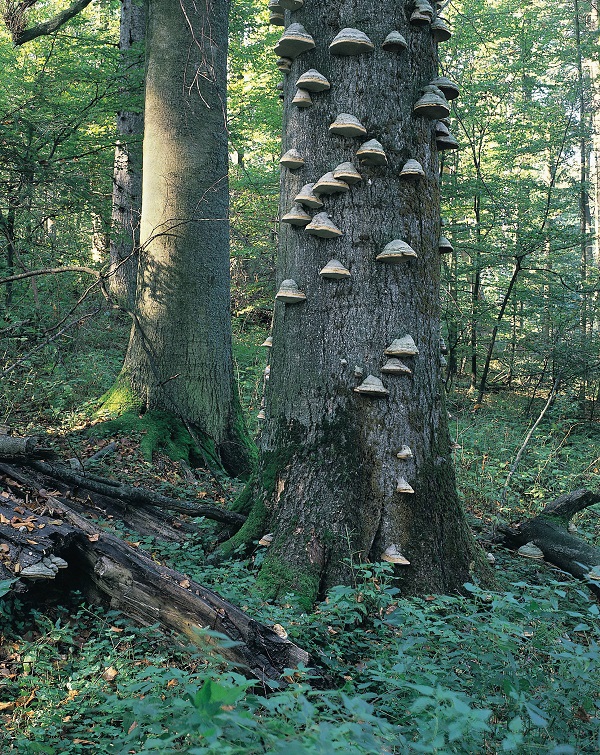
{"points": [[179, 357], [329, 466], [127, 174]]}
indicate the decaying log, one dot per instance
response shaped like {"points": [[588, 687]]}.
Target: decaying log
{"points": [[107, 569], [12, 448], [549, 532], [132, 495]]}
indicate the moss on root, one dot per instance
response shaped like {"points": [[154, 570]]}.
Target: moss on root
{"points": [[277, 579], [158, 431], [119, 399]]}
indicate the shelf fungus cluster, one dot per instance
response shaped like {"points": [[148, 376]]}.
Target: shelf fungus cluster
{"points": [[393, 555], [308, 212]]}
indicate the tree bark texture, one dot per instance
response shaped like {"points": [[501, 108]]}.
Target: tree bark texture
{"points": [[329, 455], [179, 357], [127, 174]]}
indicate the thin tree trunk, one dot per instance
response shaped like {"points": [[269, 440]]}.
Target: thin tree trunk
{"points": [[127, 175], [499, 318]]}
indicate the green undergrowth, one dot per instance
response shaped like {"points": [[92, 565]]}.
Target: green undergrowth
{"points": [[507, 671]]}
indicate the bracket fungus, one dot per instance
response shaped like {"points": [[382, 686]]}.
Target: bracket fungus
{"points": [[402, 486], [440, 30], [394, 366], [422, 15], [329, 184], [268, 342], [334, 270], [443, 361], [412, 169], [322, 226], [292, 159], [393, 555], [276, 19], [347, 125], [313, 81], [446, 141], [404, 453], [443, 346], [291, 4], [394, 42], [302, 98], [444, 246], [371, 153], [284, 64], [296, 216], [261, 414], [530, 550], [402, 347], [348, 173], [441, 129], [432, 104], [266, 539], [294, 42], [351, 42], [395, 251], [289, 293], [448, 87], [372, 386], [308, 198]]}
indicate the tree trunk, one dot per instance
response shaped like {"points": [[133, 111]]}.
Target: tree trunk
{"points": [[179, 357], [329, 469], [127, 175]]}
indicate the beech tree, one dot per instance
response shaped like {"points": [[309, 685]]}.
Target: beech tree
{"points": [[347, 474], [179, 357]]}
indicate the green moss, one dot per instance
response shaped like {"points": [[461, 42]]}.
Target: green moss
{"points": [[120, 398], [253, 529], [276, 579], [159, 431]]}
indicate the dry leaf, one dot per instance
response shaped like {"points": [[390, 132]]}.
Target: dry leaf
{"points": [[132, 727], [32, 542], [94, 538], [4, 520], [109, 674], [184, 583], [7, 706], [116, 629]]}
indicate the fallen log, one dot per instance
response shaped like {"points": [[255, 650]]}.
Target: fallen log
{"points": [[130, 494], [79, 555], [12, 448], [549, 532]]}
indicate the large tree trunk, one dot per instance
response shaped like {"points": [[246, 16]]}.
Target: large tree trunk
{"points": [[127, 176], [179, 357], [329, 469]]}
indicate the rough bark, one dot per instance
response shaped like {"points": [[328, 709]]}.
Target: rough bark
{"points": [[329, 470], [549, 532], [127, 174], [179, 357], [105, 568]]}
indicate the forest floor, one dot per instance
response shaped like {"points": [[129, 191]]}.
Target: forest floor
{"points": [[509, 669]]}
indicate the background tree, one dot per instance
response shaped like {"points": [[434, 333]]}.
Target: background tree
{"points": [[127, 177]]}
